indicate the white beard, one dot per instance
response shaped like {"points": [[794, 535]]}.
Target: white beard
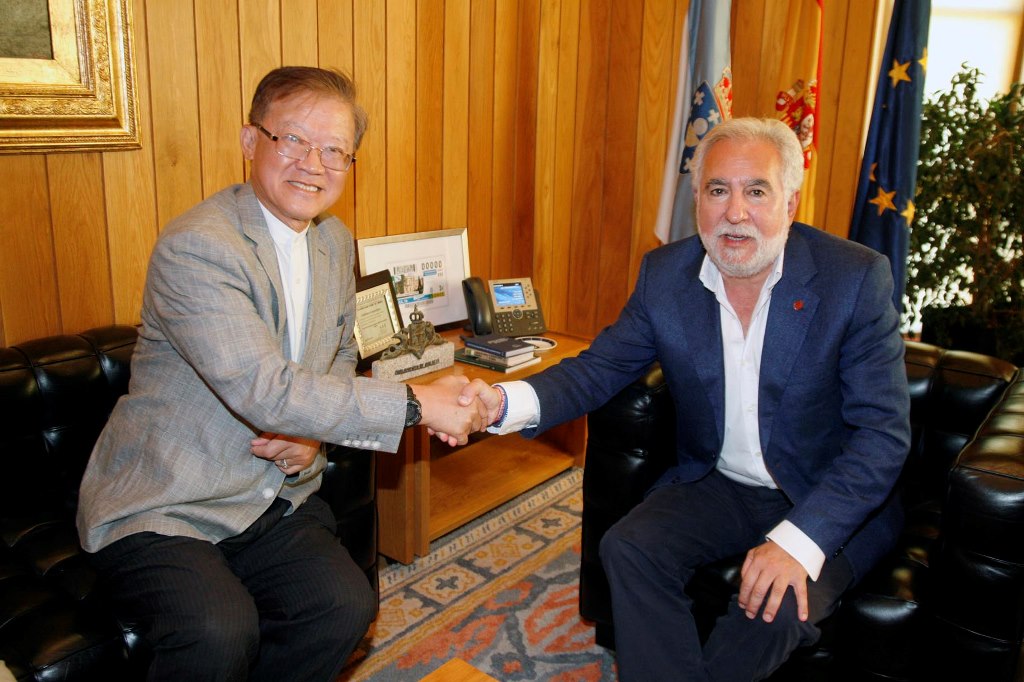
{"points": [[729, 263]]}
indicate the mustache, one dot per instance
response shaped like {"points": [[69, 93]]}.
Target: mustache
{"points": [[729, 230]]}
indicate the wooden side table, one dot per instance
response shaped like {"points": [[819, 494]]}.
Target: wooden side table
{"points": [[427, 489]]}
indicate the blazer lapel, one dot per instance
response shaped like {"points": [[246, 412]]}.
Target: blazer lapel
{"points": [[254, 226], [318, 284], [793, 307], [700, 309]]}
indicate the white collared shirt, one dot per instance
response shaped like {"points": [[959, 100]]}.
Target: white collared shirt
{"points": [[293, 263], [741, 458]]}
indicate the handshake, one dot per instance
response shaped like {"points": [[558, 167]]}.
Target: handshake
{"points": [[454, 407]]}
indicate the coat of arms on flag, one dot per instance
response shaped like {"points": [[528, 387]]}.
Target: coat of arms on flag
{"points": [[795, 107], [710, 106]]}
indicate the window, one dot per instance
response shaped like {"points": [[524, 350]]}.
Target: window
{"points": [[987, 34]]}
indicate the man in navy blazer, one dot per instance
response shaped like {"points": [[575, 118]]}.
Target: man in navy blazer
{"points": [[781, 349]]}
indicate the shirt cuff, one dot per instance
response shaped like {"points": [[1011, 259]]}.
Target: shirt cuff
{"points": [[522, 408], [799, 546]]}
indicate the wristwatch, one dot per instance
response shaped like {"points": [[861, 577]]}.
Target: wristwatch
{"points": [[413, 409]]}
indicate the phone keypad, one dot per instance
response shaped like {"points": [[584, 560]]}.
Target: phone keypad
{"points": [[521, 322]]}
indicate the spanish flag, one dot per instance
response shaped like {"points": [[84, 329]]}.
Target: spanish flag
{"points": [[796, 103]]}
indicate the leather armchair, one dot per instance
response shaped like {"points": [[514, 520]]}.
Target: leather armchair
{"points": [[947, 603], [55, 396]]}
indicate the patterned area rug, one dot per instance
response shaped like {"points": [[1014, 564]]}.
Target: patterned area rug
{"points": [[500, 593]]}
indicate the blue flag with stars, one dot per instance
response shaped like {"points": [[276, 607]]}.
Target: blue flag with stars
{"points": [[884, 207]]}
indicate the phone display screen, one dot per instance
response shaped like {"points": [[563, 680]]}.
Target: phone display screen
{"points": [[509, 294]]}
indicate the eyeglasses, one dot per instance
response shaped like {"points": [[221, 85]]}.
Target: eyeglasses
{"points": [[294, 147]]}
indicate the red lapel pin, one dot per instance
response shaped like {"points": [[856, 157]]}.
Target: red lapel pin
{"points": [[798, 304]]}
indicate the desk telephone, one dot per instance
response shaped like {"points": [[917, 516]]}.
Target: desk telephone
{"points": [[503, 306]]}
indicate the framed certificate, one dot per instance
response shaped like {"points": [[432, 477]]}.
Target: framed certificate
{"points": [[427, 269], [378, 317]]}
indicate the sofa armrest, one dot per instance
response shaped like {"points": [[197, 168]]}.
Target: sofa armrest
{"points": [[979, 604], [630, 443]]}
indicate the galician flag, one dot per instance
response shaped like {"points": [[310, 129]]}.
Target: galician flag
{"points": [[704, 99]]}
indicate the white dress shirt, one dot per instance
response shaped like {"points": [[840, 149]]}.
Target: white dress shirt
{"points": [[293, 262], [741, 458]]}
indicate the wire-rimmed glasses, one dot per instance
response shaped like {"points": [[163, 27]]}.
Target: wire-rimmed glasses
{"points": [[292, 146]]}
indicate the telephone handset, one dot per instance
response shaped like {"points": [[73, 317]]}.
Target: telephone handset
{"points": [[503, 306]]}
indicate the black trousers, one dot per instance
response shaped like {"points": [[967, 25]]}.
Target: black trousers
{"points": [[651, 554], [282, 601]]}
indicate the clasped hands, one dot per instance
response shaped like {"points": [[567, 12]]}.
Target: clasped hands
{"points": [[453, 407]]}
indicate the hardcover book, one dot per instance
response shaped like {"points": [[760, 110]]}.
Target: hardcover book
{"points": [[462, 356], [497, 344]]}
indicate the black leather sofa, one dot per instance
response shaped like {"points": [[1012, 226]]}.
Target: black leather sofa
{"points": [[948, 603], [55, 396]]}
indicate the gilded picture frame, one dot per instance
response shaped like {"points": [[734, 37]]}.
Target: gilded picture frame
{"points": [[84, 97]]}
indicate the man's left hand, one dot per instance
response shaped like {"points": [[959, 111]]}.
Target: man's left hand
{"points": [[768, 571], [290, 454]]}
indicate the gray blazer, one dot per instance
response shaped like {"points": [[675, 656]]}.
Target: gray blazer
{"points": [[211, 371]]}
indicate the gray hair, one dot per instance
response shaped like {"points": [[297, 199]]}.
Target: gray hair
{"points": [[750, 129], [287, 80]]}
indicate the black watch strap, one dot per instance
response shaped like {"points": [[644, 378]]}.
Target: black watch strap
{"points": [[413, 409]]}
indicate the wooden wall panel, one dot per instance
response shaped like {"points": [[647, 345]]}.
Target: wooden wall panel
{"points": [[172, 64], [429, 85], [546, 155], [503, 218], [625, 36], [81, 262], [480, 182], [659, 74], [401, 116], [556, 264], [130, 197], [542, 125], [591, 123], [28, 281], [455, 124], [519, 259], [334, 37], [299, 33], [221, 113], [370, 73]]}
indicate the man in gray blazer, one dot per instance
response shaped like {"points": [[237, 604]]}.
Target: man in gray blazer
{"points": [[197, 504], [780, 346]]}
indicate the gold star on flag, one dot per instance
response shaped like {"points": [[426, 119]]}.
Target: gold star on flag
{"points": [[908, 212], [923, 61], [898, 72], [883, 200], [871, 175]]}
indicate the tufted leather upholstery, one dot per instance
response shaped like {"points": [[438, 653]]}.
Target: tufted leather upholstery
{"points": [[947, 603], [55, 396]]}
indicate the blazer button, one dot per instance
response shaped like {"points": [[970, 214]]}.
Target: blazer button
{"points": [[268, 493]]}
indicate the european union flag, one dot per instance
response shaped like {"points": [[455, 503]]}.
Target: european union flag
{"points": [[884, 208]]}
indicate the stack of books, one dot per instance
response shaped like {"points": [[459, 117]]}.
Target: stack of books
{"points": [[497, 353]]}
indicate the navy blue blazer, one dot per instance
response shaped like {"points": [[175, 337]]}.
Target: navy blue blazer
{"points": [[833, 402]]}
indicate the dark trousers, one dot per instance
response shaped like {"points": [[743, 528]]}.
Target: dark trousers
{"points": [[651, 554], [282, 601]]}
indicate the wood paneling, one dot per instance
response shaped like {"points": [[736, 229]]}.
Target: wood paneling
{"points": [[541, 125]]}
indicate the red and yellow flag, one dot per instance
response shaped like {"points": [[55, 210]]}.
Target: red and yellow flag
{"points": [[797, 101]]}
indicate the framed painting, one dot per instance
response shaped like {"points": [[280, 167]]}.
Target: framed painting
{"points": [[67, 76]]}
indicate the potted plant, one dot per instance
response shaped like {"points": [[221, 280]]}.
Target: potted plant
{"points": [[965, 285]]}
